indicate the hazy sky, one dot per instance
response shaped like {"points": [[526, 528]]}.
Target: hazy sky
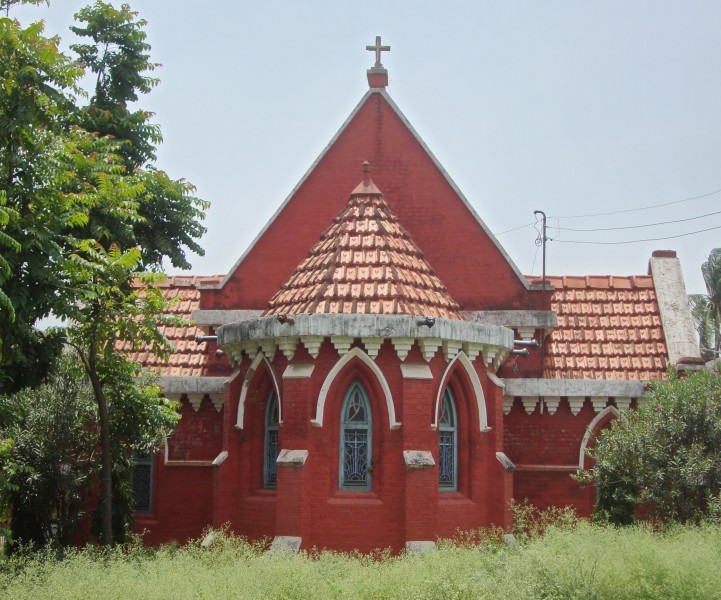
{"points": [[573, 108]]}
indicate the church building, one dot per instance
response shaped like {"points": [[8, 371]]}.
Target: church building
{"points": [[375, 371]]}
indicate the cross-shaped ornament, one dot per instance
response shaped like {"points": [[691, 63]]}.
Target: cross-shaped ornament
{"points": [[378, 49]]}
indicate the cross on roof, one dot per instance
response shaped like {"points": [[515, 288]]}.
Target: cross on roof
{"points": [[378, 49]]}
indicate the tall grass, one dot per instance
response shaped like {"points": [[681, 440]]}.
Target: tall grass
{"points": [[578, 560]]}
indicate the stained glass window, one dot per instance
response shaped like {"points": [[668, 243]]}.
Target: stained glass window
{"points": [[448, 444], [271, 442], [355, 435], [143, 482]]}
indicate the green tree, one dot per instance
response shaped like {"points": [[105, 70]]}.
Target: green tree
{"points": [[84, 219], [36, 82], [115, 304], [118, 54], [706, 308], [664, 458]]}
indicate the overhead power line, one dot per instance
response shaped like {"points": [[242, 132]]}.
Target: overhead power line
{"points": [[670, 237], [627, 210], [718, 212], [616, 212]]}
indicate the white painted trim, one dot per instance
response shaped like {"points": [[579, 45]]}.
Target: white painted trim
{"points": [[246, 384], [477, 390], [337, 368], [590, 430], [220, 459]]}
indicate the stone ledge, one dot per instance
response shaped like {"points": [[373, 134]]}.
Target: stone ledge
{"points": [[358, 326], [506, 462], [419, 546], [416, 371], [418, 459], [539, 319], [192, 385], [573, 387], [286, 543], [292, 458], [205, 318]]}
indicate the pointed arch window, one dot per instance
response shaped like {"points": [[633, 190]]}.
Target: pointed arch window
{"points": [[271, 442], [448, 444], [355, 440]]}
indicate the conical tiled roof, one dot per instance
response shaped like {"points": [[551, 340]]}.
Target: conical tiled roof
{"points": [[366, 263]]}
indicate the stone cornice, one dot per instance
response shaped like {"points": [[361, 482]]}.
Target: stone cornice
{"points": [[192, 385], [215, 318], [514, 319], [573, 387], [545, 394], [452, 336]]}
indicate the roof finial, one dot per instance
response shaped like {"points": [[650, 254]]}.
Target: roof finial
{"points": [[378, 48], [366, 171], [377, 75]]}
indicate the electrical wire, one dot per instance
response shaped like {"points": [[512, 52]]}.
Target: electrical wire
{"points": [[627, 210], [641, 226], [619, 212], [671, 237], [515, 228]]}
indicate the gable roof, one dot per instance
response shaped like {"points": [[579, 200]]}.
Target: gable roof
{"points": [[365, 262], [608, 328], [420, 192]]}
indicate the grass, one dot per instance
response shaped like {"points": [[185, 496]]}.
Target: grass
{"points": [[577, 560]]}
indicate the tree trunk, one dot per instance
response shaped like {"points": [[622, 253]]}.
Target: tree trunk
{"points": [[106, 468]]}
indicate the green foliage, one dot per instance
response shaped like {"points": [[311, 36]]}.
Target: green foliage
{"points": [[52, 440], [706, 309], [583, 562], [665, 457], [119, 56], [83, 217], [35, 105], [169, 215]]}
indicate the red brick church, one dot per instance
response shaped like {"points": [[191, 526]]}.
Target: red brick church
{"points": [[360, 381]]}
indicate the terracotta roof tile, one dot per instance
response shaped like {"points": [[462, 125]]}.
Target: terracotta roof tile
{"points": [[609, 327], [365, 262], [190, 359]]}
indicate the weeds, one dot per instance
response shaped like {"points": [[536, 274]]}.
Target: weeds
{"points": [[557, 557]]}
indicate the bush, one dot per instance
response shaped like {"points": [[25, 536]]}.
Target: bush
{"points": [[663, 460]]}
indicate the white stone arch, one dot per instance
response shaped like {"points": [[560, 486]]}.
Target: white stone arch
{"points": [[337, 368], [246, 384], [590, 430], [467, 365]]}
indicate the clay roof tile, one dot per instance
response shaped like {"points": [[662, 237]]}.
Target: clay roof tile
{"points": [[376, 268]]}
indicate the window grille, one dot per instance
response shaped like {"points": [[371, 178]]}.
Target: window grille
{"points": [[448, 444], [355, 445], [271, 449], [142, 477]]}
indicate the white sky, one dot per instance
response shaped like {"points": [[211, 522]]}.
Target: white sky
{"points": [[566, 107]]}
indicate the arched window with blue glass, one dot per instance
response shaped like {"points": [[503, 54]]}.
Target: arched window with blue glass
{"points": [[271, 441], [448, 443], [355, 440]]}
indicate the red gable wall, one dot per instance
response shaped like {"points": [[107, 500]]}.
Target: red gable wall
{"points": [[464, 257]]}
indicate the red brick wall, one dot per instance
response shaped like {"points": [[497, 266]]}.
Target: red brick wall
{"points": [[182, 504], [198, 435], [545, 449], [415, 189]]}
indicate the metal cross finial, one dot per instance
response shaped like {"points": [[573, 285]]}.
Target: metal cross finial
{"points": [[378, 49]]}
